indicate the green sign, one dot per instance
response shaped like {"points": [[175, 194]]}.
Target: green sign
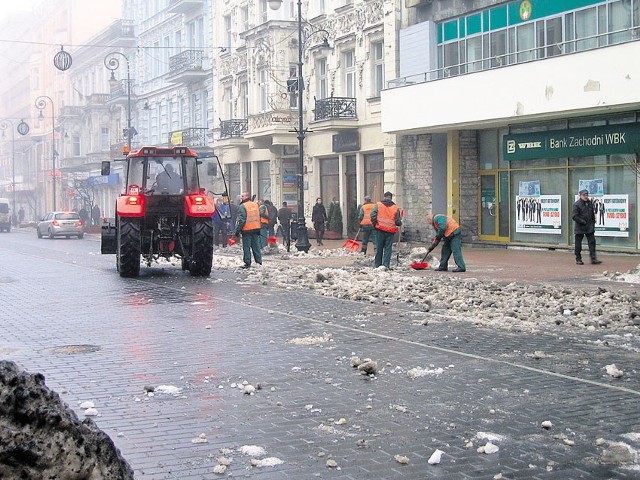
{"points": [[577, 142]]}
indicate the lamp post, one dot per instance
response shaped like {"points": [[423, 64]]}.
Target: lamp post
{"points": [[3, 126], [112, 64], [302, 243], [40, 105]]}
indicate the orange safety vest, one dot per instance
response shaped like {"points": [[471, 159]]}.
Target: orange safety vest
{"points": [[264, 220], [387, 218], [451, 227], [253, 216], [366, 218]]}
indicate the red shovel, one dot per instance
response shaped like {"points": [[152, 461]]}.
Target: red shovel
{"points": [[421, 265]]}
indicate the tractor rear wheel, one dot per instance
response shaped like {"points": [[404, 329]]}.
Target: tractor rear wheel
{"points": [[128, 247], [201, 247]]}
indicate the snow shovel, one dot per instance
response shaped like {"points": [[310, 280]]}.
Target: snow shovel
{"points": [[353, 245], [421, 265], [271, 241], [231, 241]]}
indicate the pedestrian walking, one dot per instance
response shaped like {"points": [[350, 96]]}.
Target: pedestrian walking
{"points": [[284, 218], [584, 225], [449, 231], [95, 215], [84, 216], [21, 215], [249, 226], [221, 218], [368, 232], [319, 218], [385, 217], [272, 213]]}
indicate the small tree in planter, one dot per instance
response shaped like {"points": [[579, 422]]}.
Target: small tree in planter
{"points": [[335, 222]]}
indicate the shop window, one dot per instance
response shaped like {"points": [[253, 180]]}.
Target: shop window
{"points": [[374, 175], [551, 182], [233, 177], [329, 179], [617, 180], [264, 181]]}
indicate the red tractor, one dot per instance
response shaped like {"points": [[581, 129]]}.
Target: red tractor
{"points": [[163, 212]]}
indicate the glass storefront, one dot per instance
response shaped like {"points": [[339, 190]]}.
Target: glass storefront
{"points": [[527, 188]]}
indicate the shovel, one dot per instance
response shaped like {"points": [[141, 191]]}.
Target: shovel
{"points": [[353, 245], [421, 265]]}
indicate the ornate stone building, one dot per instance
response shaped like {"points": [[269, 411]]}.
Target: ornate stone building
{"points": [[256, 95]]}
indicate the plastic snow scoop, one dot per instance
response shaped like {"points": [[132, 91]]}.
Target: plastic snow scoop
{"points": [[421, 265], [231, 241], [271, 241], [353, 245]]}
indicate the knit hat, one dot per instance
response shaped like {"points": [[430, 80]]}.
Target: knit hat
{"points": [[388, 194], [583, 192]]}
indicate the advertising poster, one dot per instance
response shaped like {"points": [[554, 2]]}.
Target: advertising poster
{"points": [[594, 187], [539, 214], [612, 215], [290, 183], [529, 188]]}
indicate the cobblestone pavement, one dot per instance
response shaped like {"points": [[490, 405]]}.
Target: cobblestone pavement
{"points": [[95, 336]]}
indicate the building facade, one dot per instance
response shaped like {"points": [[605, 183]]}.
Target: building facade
{"points": [[522, 104], [256, 97]]}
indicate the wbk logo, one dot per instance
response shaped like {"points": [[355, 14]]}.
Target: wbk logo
{"points": [[511, 146]]}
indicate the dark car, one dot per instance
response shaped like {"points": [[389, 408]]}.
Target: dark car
{"points": [[60, 224]]}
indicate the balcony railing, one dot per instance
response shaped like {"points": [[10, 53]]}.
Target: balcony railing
{"points": [[188, 60], [335, 107], [233, 128], [190, 137], [516, 57]]}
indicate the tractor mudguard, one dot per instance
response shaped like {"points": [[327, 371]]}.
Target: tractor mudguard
{"points": [[109, 236]]}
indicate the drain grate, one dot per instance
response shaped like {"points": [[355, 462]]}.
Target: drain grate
{"points": [[71, 349]]}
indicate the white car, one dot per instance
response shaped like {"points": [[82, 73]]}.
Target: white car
{"points": [[60, 224]]}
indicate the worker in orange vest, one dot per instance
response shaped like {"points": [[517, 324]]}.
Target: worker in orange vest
{"points": [[385, 217], [249, 225], [364, 216], [264, 223], [449, 230]]}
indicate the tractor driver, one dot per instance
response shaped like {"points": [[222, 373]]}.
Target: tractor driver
{"points": [[169, 181]]}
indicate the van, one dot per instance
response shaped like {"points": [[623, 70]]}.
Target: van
{"points": [[5, 215]]}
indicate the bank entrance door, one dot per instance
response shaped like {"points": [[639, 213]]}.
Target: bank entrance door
{"points": [[494, 206]]}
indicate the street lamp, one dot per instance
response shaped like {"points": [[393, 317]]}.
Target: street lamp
{"points": [[40, 105], [112, 64], [3, 126], [302, 243]]}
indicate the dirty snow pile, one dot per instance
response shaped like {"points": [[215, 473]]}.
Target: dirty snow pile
{"points": [[515, 307]]}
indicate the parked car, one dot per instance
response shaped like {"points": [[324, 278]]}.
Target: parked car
{"points": [[60, 224]]}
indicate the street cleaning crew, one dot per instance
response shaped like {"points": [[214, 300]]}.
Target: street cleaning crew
{"points": [[448, 230], [386, 218], [249, 226]]}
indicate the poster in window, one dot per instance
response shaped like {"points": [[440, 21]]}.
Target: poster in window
{"points": [[612, 214], [539, 214], [594, 186], [530, 189]]}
